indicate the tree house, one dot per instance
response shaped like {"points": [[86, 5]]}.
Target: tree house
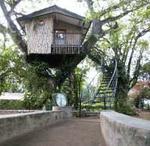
{"points": [[54, 35]]}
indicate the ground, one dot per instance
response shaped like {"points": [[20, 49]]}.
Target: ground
{"points": [[73, 132], [144, 114]]}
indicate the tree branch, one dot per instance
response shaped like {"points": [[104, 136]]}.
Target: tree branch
{"points": [[127, 46], [114, 7], [133, 48], [90, 4], [14, 32], [4, 29], [110, 19], [13, 6], [137, 70]]}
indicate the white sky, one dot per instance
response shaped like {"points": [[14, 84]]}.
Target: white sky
{"points": [[26, 6], [72, 5]]}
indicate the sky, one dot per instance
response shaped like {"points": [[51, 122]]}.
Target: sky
{"points": [[29, 6], [72, 5]]}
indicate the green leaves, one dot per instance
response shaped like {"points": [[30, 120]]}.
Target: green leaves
{"points": [[145, 71], [10, 66], [143, 44], [145, 93], [18, 76], [73, 86]]}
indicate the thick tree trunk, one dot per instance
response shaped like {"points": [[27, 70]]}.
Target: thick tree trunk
{"points": [[121, 102]]}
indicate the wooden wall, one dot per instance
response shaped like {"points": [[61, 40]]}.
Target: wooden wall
{"points": [[73, 33], [39, 35]]}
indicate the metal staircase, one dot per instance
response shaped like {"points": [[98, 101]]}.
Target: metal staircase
{"points": [[108, 85], [106, 91]]}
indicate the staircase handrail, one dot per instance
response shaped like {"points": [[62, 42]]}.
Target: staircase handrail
{"points": [[113, 75]]}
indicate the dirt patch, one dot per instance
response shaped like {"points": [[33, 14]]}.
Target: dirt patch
{"points": [[143, 114]]}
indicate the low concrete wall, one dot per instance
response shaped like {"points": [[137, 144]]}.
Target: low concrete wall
{"points": [[18, 124], [7, 112], [67, 110], [123, 130]]}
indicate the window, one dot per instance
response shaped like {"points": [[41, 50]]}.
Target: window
{"points": [[60, 37]]}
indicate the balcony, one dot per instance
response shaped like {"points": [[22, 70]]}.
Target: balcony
{"points": [[66, 43]]}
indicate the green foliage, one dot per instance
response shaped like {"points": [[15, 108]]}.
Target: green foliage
{"points": [[37, 88], [11, 67], [73, 86], [17, 76], [145, 71], [11, 104], [127, 109], [146, 68], [145, 93], [139, 99], [92, 107]]}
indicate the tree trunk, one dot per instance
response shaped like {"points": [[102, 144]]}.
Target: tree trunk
{"points": [[122, 90]]}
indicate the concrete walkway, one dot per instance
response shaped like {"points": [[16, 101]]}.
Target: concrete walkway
{"points": [[74, 132]]}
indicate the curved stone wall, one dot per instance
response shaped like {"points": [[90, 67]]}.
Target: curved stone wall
{"points": [[122, 130]]}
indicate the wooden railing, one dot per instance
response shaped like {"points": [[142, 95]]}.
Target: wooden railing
{"points": [[66, 49]]}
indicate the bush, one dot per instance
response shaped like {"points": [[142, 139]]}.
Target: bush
{"points": [[11, 104], [126, 108], [92, 107]]}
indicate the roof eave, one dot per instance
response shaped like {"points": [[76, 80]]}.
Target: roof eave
{"points": [[50, 10]]}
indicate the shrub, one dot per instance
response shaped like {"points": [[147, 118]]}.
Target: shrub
{"points": [[11, 104], [92, 107]]}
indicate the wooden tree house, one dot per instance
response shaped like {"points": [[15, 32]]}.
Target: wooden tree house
{"points": [[54, 35]]}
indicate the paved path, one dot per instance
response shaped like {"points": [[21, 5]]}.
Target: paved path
{"points": [[74, 132]]}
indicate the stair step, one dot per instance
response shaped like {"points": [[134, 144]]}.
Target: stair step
{"points": [[102, 87], [106, 82], [105, 92], [106, 78], [103, 83], [105, 97], [105, 89]]}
